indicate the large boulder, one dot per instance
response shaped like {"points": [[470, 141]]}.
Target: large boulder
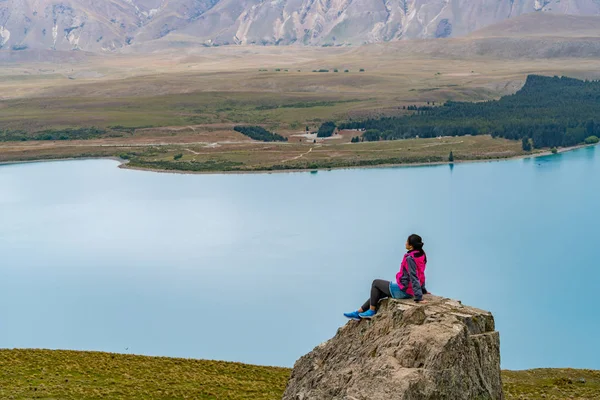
{"points": [[439, 349]]}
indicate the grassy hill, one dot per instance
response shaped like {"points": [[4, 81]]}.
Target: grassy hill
{"points": [[46, 374]]}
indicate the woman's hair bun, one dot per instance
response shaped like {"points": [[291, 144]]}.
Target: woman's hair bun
{"points": [[416, 241]]}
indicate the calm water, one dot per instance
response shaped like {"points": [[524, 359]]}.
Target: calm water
{"points": [[259, 268]]}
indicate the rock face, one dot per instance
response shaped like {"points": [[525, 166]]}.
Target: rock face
{"points": [[105, 26], [437, 350]]}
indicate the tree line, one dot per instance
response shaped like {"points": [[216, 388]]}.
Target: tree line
{"points": [[259, 133], [56, 134], [546, 112]]}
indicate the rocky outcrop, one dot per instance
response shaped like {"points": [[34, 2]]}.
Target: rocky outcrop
{"points": [[436, 350]]}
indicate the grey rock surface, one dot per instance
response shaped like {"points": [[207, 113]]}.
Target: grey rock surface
{"points": [[439, 349]]}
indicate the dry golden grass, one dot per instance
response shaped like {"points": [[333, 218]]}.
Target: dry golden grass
{"points": [[394, 72], [194, 97], [265, 155], [224, 86], [202, 152]]}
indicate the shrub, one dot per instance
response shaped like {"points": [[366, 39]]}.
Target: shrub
{"points": [[362, 70], [177, 156], [451, 157], [554, 150], [592, 140]]}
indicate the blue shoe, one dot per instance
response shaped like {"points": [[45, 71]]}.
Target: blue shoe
{"points": [[367, 314], [352, 315]]}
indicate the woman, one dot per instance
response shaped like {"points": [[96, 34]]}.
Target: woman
{"points": [[410, 281]]}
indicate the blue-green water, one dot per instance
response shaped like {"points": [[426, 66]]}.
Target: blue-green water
{"points": [[259, 268]]}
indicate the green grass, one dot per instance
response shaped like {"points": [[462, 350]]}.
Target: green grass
{"points": [[258, 156], [70, 375], [551, 384], [44, 374], [61, 134], [173, 110], [231, 166], [296, 156]]}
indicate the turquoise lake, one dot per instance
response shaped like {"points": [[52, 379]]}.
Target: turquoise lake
{"points": [[260, 268]]}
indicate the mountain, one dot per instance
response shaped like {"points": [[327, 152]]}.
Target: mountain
{"points": [[528, 36], [537, 25], [112, 25]]}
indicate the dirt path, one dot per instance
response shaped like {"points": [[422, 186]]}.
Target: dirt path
{"points": [[441, 144], [299, 157]]}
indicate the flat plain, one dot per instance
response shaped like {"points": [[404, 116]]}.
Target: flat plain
{"points": [[187, 100]]}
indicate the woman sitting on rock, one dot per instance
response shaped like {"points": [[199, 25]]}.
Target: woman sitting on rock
{"points": [[410, 281]]}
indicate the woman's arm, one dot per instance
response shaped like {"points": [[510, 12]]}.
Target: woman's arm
{"points": [[414, 278]]}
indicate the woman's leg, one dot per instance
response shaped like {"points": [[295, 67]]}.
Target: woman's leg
{"points": [[380, 289]]}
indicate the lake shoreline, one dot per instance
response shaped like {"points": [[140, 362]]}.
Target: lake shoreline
{"points": [[44, 160], [124, 164]]}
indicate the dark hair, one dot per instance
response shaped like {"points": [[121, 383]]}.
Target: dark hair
{"points": [[416, 242]]}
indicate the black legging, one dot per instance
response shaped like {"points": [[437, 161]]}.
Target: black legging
{"points": [[380, 289]]}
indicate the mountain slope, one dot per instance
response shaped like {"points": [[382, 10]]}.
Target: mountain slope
{"points": [[111, 25], [543, 25]]}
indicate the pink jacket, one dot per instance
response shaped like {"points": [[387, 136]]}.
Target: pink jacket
{"points": [[411, 277]]}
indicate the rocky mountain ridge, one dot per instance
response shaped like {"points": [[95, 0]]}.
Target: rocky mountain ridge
{"points": [[108, 26]]}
